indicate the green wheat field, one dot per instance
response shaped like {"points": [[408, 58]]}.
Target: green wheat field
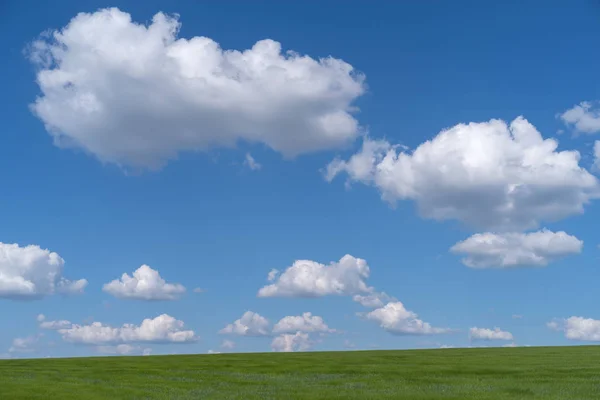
{"points": [[494, 373]]}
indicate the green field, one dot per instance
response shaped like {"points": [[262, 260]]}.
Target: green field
{"points": [[498, 373]]}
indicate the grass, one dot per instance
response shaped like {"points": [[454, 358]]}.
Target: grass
{"points": [[498, 373]]}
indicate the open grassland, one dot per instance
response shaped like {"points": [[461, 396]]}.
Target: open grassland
{"points": [[499, 373]]}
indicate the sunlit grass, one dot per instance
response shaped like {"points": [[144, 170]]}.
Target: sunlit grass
{"points": [[500, 373]]}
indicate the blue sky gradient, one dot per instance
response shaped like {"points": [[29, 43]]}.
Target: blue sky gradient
{"points": [[207, 220]]}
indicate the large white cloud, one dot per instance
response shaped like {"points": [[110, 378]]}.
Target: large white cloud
{"points": [[307, 278], [162, 329], [489, 334], [396, 319], [32, 272], [251, 324], [583, 117], [145, 284], [488, 175], [299, 341], [508, 250], [136, 95], [302, 323], [578, 328]]}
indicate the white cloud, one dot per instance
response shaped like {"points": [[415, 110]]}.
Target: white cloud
{"points": [[24, 345], [302, 323], [31, 272], [52, 325], [597, 154], [373, 300], [508, 250], [299, 341], [251, 324], [137, 96], [487, 175], [162, 329], [145, 284], [147, 351], [307, 278], [272, 275], [228, 345], [251, 163], [396, 319], [122, 349], [510, 345], [198, 290], [578, 328], [517, 316], [348, 344], [489, 334], [213, 352], [584, 117]]}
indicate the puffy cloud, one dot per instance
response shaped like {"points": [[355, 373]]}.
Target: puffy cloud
{"points": [[251, 324], [162, 329], [137, 95], [228, 345], [272, 275], [145, 284], [299, 341], [396, 319], [307, 278], [508, 250], [584, 117], [24, 345], [251, 163], [302, 323], [489, 334], [487, 175], [578, 328], [31, 272], [373, 300], [122, 349], [53, 325]]}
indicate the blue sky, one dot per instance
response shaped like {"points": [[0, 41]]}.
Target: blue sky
{"points": [[134, 159]]}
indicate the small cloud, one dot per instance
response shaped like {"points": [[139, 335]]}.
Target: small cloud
{"points": [[251, 163], [517, 316], [198, 290]]}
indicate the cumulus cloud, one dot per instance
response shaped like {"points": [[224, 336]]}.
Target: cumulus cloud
{"points": [[227, 345], [145, 284], [162, 329], [122, 349], [487, 175], [578, 328], [396, 319], [489, 334], [307, 278], [509, 250], [299, 341], [251, 324], [251, 163], [302, 323], [583, 117], [373, 300], [24, 345], [137, 95], [52, 325], [31, 272]]}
